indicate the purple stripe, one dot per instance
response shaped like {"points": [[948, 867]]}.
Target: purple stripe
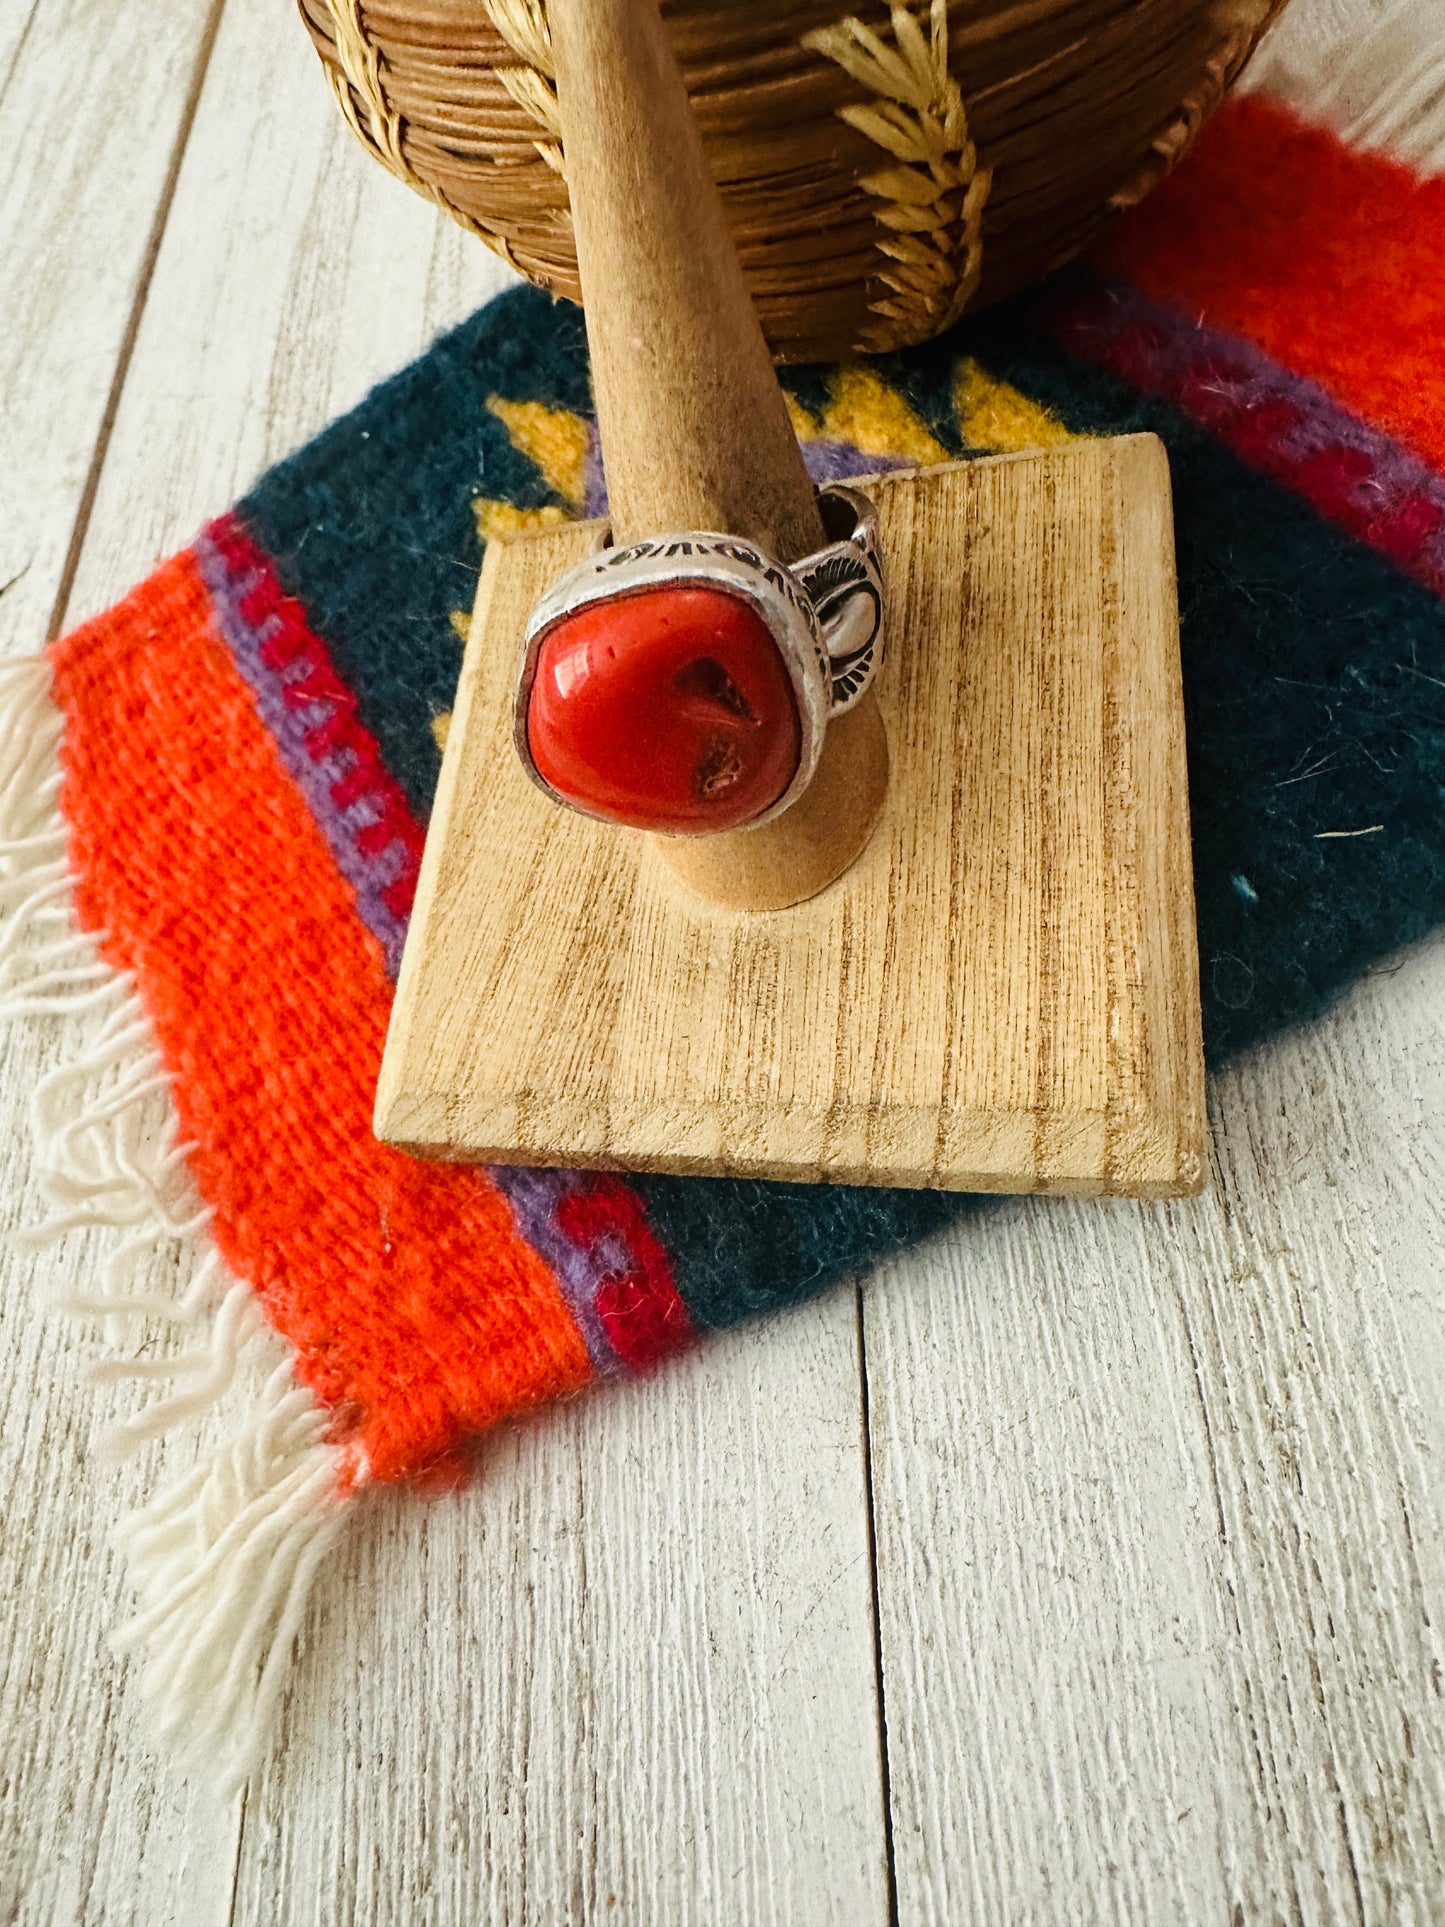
{"points": [[828, 461], [825, 461], [315, 776], [1277, 421], [296, 729], [534, 1196]]}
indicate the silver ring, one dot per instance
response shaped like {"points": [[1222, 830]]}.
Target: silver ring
{"points": [[824, 613]]}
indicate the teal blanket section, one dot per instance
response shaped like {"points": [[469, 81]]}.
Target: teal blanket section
{"points": [[1314, 677]]}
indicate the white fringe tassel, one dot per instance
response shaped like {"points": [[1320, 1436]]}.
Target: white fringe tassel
{"points": [[221, 1561], [1371, 70]]}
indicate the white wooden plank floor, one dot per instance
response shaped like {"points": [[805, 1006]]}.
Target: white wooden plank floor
{"points": [[1086, 1567]]}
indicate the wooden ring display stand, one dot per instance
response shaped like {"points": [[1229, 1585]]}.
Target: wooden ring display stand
{"points": [[973, 967]]}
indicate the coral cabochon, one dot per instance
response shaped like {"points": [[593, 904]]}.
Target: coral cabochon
{"points": [[670, 709]]}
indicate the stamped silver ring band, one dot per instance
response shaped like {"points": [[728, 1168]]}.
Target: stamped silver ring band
{"points": [[824, 613]]}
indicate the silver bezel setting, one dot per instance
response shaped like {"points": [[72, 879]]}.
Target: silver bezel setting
{"points": [[844, 584], [838, 581]]}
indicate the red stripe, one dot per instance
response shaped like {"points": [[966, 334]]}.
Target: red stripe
{"points": [[639, 1305]]}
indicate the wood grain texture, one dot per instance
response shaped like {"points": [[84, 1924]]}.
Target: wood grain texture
{"points": [[628, 1677], [1159, 1507], [288, 282], [1001, 994], [89, 1830], [80, 192], [694, 430], [1102, 1704]]}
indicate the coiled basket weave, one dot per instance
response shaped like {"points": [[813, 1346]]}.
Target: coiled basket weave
{"points": [[883, 169]]}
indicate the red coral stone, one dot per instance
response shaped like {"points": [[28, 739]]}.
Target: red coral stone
{"points": [[669, 709]]}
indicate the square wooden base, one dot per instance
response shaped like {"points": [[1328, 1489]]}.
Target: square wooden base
{"points": [[1001, 994]]}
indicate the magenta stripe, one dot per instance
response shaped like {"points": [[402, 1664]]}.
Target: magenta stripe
{"points": [[1278, 422], [350, 801], [300, 697], [534, 1196]]}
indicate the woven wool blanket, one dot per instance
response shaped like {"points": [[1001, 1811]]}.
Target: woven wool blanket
{"points": [[213, 801]]}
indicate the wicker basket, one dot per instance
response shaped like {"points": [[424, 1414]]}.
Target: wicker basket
{"points": [[882, 170]]}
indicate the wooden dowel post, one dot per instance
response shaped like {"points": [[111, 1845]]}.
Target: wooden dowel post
{"points": [[694, 428]]}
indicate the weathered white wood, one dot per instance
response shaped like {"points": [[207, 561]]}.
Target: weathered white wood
{"points": [[627, 1677], [1159, 1504], [16, 19], [83, 177], [93, 1828], [293, 276], [89, 1828]]}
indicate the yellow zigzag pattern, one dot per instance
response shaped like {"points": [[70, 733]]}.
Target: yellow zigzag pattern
{"points": [[862, 409], [554, 438], [996, 417]]}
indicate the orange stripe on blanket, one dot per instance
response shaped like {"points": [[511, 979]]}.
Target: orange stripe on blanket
{"points": [[1332, 260], [417, 1312]]}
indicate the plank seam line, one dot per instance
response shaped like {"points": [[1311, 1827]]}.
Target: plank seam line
{"points": [[886, 1772], [235, 1885], [19, 53], [81, 526]]}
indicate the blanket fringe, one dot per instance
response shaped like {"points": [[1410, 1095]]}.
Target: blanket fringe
{"points": [[222, 1560], [1374, 74], [222, 1563]]}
